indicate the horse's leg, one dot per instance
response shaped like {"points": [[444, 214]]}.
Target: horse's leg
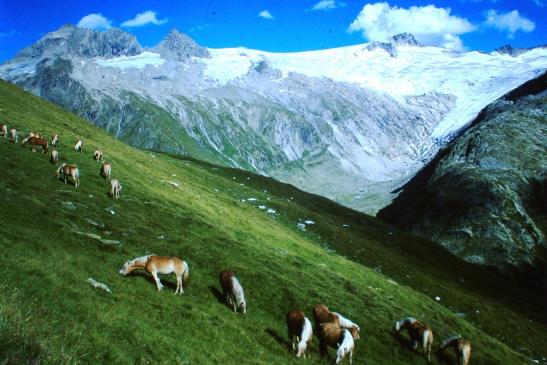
{"points": [[350, 357], [179, 284], [158, 283]]}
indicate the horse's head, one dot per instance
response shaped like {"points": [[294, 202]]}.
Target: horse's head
{"points": [[125, 269], [354, 330], [396, 327], [243, 306]]}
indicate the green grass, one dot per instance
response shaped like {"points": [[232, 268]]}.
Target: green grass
{"points": [[368, 271]]}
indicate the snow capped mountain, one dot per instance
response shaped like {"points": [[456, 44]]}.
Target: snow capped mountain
{"points": [[349, 123]]}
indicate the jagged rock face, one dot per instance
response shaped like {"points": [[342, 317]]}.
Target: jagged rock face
{"points": [[484, 197], [179, 47], [391, 44], [73, 41]]}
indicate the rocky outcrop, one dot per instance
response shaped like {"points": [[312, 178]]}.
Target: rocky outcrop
{"points": [[179, 47], [80, 42], [484, 196]]}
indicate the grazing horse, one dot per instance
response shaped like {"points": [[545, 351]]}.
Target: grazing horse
{"points": [[54, 158], [69, 171], [106, 170], [35, 141], [78, 147], [419, 334], [4, 130], [233, 291], [98, 155], [460, 346], [340, 339], [115, 188], [160, 265], [55, 140], [300, 329], [13, 135], [321, 314]]}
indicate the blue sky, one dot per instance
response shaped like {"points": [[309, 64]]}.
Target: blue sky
{"points": [[285, 25]]}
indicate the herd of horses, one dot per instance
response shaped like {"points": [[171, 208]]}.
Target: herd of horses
{"points": [[332, 329], [65, 172]]}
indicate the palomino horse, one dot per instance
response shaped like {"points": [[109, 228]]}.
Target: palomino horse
{"points": [[106, 170], [340, 339], [233, 291], [300, 329], [160, 265], [419, 334], [54, 158], [461, 347], [321, 314], [4, 130], [115, 188], [13, 135], [98, 155], [69, 171]]}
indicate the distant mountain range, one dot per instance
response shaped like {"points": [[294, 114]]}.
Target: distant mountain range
{"points": [[350, 123]]}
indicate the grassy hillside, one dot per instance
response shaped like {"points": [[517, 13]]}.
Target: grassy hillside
{"points": [[53, 237]]}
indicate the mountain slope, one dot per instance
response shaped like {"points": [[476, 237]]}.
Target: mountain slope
{"points": [[54, 237], [483, 197], [370, 114]]}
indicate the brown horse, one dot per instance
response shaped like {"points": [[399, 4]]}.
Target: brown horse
{"points": [[340, 339], [233, 291], [35, 141], [461, 347], [299, 328], [160, 265], [419, 334], [322, 314]]}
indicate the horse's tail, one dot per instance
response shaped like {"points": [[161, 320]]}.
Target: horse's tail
{"points": [[185, 275], [427, 341]]}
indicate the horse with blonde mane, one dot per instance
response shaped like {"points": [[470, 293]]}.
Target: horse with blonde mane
{"points": [[340, 339], [160, 265], [322, 314], [461, 347], [419, 333]]}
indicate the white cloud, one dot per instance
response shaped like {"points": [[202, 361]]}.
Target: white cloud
{"points": [[266, 15], [95, 21], [148, 17], [429, 24], [328, 5], [510, 22], [538, 2]]}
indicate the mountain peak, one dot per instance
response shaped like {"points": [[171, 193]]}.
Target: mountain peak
{"points": [[391, 44], [70, 40], [180, 47]]}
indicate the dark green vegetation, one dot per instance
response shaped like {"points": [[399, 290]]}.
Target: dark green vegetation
{"points": [[484, 197], [366, 270]]}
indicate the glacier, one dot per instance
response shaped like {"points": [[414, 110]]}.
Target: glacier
{"points": [[350, 123]]}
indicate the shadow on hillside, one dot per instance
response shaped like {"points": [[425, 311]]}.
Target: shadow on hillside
{"points": [[150, 279], [443, 358], [218, 295], [405, 343], [279, 339]]}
